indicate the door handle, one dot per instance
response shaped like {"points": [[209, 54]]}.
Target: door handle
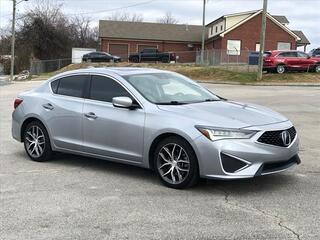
{"points": [[48, 106], [91, 115]]}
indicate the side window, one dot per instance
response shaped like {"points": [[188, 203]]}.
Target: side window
{"points": [[54, 86], [104, 89], [72, 86], [302, 55]]}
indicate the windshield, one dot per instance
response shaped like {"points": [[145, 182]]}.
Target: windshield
{"points": [[169, 88]]}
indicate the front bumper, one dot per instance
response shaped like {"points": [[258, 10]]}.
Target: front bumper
{"points": [[256, 158]]}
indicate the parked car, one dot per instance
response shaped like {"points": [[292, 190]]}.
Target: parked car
{"points": [[152, 54], [153, 119], [282, 61], [315, 52], [100, 57]]}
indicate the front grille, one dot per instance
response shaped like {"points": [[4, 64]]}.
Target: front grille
{"points": [[274, 137]]}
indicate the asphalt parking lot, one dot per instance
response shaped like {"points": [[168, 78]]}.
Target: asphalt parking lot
{"points": [[81, 198]]}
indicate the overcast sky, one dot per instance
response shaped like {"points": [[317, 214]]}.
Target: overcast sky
{"points": [[302, 14]]}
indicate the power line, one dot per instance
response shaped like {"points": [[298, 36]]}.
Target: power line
{"points": [[102, 11], [113, 9]]}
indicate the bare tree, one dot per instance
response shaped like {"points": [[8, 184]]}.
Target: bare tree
{"points": [[168, 19], [126, 17], [83, 34]]}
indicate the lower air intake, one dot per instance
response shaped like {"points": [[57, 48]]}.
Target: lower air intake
{"points": [[231, 164]]}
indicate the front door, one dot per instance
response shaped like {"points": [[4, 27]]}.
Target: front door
{"points": [[108, 131]]}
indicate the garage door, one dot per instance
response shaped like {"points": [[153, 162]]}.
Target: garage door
{"points": [[141, 47], [120, 50]]}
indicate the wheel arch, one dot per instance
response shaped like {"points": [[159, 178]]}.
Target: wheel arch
{"points": [[26, 122], [158, 139]]}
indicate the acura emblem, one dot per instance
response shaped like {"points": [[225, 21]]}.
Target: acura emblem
{"points": [[286, 138]]}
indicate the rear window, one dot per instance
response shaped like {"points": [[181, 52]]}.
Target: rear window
{"points": [[267, 54], [72, 86]]}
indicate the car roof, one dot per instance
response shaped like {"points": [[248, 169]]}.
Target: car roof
{"points": [[121, 71]]}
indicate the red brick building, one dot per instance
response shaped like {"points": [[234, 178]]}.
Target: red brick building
{"points": [[231, 34]]}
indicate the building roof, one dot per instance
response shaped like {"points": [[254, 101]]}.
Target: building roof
{"points": [[150, 31], [304, 40], [281, 19]]}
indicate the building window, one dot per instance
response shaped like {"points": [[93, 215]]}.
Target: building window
{"points": [[211, 30], [233, 47], [216, 29], [284, 46], [221, 27], [257, 47]]}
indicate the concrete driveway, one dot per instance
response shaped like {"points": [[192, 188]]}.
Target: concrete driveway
{"points": [[81, 198]]}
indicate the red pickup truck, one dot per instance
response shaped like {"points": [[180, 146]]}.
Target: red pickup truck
{"points": [[282, 61]]}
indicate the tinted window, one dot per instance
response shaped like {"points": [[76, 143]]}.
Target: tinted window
{"points": [[72, 86], [288, 54], [54, 86], [302, 55], [104, 89]]}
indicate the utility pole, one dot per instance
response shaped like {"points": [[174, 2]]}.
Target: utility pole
{"points": [[262, 39], [203, 30], [13, 39]]}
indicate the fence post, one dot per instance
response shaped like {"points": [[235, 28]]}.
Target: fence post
{"points": [[59, 64]]}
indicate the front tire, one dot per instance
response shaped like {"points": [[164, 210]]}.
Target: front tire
{"points": [[176, 163], [36, 142]]}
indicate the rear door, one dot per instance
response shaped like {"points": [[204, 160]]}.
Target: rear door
{"points": [[64, 111], [108, 131], [290, 59]]}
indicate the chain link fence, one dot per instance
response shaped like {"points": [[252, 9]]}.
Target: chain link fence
{"points": [[242, 61]]}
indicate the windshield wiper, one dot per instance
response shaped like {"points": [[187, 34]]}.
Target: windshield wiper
{"points": [[211, 100], [171, 103]]}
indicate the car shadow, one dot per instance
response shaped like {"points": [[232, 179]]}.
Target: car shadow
{"points": [[239, 187]]}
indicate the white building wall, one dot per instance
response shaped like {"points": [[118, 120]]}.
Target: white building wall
{"points": [[216, 29], [233, 20]]}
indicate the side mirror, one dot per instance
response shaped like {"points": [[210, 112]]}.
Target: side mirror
{"points": [[123, 102]]}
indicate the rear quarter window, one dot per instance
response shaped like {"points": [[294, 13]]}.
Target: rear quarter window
{"points": [[54, 86]]}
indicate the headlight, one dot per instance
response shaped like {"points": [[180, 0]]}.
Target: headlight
{"points": [[219, 133]]}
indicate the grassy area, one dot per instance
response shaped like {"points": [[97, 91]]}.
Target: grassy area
{"points": [[207, 73]]}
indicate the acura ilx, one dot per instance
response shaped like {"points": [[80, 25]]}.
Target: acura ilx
{"points": [[154, 119]]}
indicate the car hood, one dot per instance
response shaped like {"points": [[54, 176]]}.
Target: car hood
{"points": [[227, 114]]}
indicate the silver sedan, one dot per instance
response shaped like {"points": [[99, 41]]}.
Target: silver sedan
{"points": [[153, 119]]}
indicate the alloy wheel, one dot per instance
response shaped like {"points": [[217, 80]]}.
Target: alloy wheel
{"points": [[281, 69], [173, 163], [35, 141], [318, 69]]}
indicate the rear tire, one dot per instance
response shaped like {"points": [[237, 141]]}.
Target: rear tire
{"points": [[176, 163], [317, 68], [37, 142], [165, 60], [281, 69]]}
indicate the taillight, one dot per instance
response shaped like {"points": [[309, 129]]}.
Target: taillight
{"points": [[17, 102]]}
